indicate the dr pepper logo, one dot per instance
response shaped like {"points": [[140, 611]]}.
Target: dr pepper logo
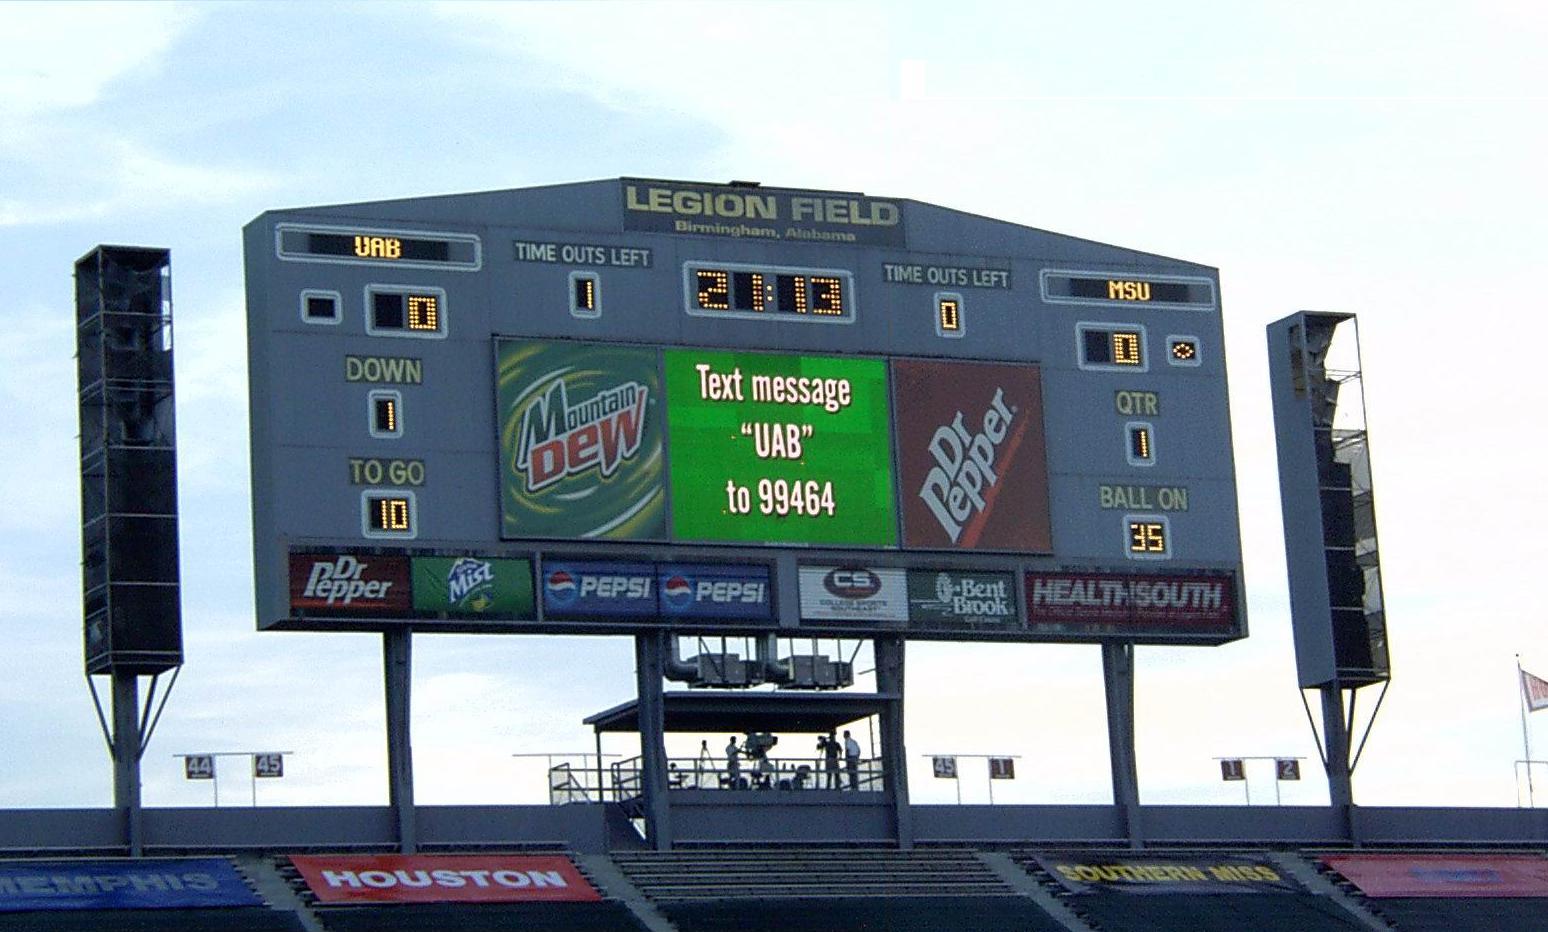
{"points": [[580, 441], [350, 583], [974, 473]]}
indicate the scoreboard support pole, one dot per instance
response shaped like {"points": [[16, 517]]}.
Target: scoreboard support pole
{"points": [[650, 671], [1335, 739], [126, 759], [889, 681], [397, 664], [1118, 674]]}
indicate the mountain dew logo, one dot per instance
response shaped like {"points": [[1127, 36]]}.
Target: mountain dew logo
{"points": [[558, 440], [580, 441]]}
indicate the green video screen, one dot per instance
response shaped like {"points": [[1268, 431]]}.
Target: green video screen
{"points": [[769, 448]]}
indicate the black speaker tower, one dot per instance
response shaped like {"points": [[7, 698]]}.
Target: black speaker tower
{"points": [[129, 552], [1336, 607]]}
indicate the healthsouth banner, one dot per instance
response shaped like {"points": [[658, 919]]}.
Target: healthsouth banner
{"points": [[181, 883], [1456, 875], [446, 878], [1088, 873], [1112, 603]]}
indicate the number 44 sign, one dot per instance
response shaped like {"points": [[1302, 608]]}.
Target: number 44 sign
{"points": [[268, 765], [199, 767]]}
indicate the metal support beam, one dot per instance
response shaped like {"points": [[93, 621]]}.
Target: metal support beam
{"points": [[1118, 675], [650, 669], [1335, 737], [397, 664], [126, 759], [894, 756]]}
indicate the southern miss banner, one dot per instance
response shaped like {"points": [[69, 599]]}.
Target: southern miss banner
{"points": [[444, 878], [1379, 875], [1088, 873], [173, 883]]}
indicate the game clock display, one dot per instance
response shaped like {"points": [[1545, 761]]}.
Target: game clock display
{"points": [[722, 289]]}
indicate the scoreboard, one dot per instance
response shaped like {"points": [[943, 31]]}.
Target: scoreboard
{"points": [[634, 404]]}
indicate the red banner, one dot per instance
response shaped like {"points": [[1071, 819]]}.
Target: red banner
{"points": [[1452, 875], [359, 583], [1129, 603], [972, 464], [443, 878]]}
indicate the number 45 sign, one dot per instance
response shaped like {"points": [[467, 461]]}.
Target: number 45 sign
{"points": [[269, 765]]}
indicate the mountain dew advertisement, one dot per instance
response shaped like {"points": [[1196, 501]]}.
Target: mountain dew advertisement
{"points": [[580, 441], [473, 586]]}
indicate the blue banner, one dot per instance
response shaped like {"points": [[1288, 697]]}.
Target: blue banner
{"points": [[122, 884], [594, 589], [696, 590]]}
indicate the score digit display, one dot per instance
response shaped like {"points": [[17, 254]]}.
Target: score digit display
{"points": [[779, 449], [722, 289]]}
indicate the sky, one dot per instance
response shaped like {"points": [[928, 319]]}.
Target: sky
{"points": [[1383, 159]]}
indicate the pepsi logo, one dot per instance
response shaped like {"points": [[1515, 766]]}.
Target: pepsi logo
{"points": [[678, 591], [560, 586], [852, 582]]}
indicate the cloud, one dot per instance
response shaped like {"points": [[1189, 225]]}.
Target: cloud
{"points": [[64, 56]]}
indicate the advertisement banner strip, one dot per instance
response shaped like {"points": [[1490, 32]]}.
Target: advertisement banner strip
{"points": [[1447, 875], [344, 583], [952, 600], [1125, 603], [473, 586], [1088, 873], [697, 590], [592, 589], [598, 589], [447, 878], [181, 883], [853, 593]]}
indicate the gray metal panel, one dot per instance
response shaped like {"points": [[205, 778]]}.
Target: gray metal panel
{"points": [[1312, 622], [308, 421]]}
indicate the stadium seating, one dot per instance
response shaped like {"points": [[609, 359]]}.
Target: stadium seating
{"points": [[881, 914], [528, 917], [1465, 914], [232, 919], [1216, 912]]}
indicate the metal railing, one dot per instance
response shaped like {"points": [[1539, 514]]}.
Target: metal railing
{"points": [[624, 779]]}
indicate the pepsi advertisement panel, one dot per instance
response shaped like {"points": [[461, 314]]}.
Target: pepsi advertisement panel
{"points": [[586, 589], [695, 590]]}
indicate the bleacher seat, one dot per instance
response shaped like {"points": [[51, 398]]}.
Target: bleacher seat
{"points": [[606, 916], [1461, 914], [228, 919], [1217, 912], [871, 914]]}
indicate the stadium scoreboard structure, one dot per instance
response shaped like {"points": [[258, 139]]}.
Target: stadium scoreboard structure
{"points": [[633, 405]]}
